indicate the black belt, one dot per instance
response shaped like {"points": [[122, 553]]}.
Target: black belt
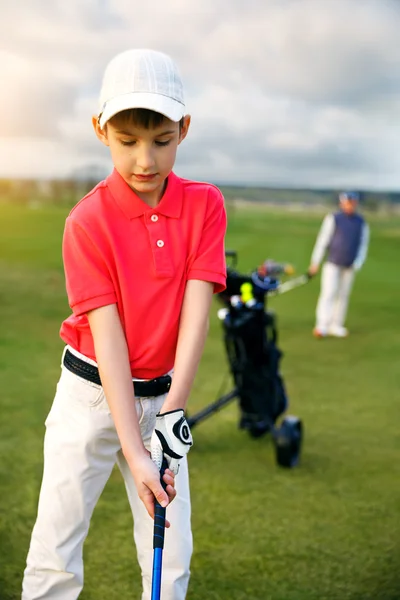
{"points": [[153, 387]]}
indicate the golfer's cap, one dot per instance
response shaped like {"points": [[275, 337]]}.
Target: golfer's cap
{"points": [[343, 196], [141, 79]]}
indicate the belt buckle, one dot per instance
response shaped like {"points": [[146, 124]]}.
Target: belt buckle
{"points": [[163, 380], [168, 381]]}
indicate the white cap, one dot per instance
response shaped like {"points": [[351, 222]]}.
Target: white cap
{"points": [[141, 79]]}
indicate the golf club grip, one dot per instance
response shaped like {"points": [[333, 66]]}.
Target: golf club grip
{"points": [[159, 515]]}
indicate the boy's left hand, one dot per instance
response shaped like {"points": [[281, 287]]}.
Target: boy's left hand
{"points": [[171, 438]]}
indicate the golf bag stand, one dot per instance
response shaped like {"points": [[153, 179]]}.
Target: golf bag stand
{"points": [[250, 339]]}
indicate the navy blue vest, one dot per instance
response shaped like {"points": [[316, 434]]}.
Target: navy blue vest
{"points": [[346, 239]]}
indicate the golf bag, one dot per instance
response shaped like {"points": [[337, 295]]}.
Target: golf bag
{"points": [[250, 337]]}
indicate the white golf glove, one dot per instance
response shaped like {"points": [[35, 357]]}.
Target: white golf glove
{"points": [[171, 438]]}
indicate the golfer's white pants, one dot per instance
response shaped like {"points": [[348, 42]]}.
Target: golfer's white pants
{"points": [[336, 283], [80, 450]]}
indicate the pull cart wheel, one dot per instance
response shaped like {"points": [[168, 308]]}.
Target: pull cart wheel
{"points": [[287, 441]]}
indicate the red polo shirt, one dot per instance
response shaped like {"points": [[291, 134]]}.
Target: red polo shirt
{"points": [[117, 249]]}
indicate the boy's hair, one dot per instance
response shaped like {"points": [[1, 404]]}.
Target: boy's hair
{"points": [[140, 117]]}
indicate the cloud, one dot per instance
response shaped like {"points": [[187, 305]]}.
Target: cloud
{"points": [[298, 92], [331, 51]]}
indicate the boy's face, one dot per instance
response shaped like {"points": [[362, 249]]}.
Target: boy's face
{"points": [[143, 157], [348, 206]]}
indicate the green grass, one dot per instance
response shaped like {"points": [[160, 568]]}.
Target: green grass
{"points": [[328, 530]]}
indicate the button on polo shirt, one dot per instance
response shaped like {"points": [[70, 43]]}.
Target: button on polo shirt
{"points": [[118, 250]]}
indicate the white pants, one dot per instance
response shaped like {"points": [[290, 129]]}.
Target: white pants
{"points": [[336, 283], [81, 448]]}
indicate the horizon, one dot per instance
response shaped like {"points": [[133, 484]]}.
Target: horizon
{"points": [[221, 184]]}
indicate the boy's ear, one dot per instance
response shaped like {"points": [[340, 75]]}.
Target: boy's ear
{"points": [[184, 128], [101, 133]]}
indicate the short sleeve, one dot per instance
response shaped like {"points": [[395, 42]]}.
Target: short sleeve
{"points": [[88, 280], [209, 262]]}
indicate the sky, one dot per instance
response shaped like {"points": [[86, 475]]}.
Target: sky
{"points": [[291, 93]]}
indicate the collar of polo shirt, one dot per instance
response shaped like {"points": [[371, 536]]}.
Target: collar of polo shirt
{"points": [[132, 206]]}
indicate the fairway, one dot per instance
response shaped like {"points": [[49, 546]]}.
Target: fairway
{"points": [[329, 529]]}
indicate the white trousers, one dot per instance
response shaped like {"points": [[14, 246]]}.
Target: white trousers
{"points": [[336, 284], [81, 448]]}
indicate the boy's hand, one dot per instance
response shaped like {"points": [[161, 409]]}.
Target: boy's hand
{"points": [[171, 438], [147, 480], [313, 270]]}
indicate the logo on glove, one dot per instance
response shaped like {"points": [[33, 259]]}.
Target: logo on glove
{"points": [[182, 431]]}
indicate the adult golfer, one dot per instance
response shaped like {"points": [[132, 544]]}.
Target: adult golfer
{"points": [[143, 253], [344, 237]]}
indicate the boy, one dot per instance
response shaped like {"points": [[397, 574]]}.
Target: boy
{"points": [[345, 235], [143, 253]]}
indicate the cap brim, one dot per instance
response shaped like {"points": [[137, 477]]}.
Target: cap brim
{"points": [[172, 109]]}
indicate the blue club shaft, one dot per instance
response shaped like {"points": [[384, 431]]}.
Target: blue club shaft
{"points": [[157, 568]]}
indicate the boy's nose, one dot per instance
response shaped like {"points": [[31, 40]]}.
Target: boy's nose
{"points": [[145, 159]]}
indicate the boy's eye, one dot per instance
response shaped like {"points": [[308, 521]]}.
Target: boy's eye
{"points": [[157, 142]]}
